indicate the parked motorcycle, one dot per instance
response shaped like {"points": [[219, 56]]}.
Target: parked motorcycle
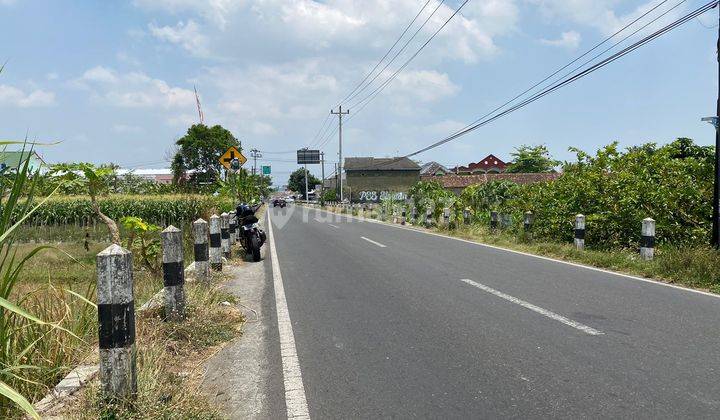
{"points": [[251, 236]]}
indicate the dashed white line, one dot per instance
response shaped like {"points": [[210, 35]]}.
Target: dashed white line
{"points": [[552, 315], [336, 227], [373, 242], [295, 399]]}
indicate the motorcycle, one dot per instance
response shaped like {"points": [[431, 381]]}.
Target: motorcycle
{"points": [[251, 236]]}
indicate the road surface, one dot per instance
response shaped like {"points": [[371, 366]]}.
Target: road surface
{"points": [[394, 323]]}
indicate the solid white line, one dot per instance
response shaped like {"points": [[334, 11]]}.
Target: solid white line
{"points": [[295, 399], [541, 257], [373, 242], [552, 315], [336, 227]]}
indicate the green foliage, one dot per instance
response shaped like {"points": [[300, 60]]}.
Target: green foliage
{"points": [[244, 187], [482, 198], [199, 151], [144, 240], [330, 195], [615, 190], [431, 195], [162, 210], [531, 159], [297, 181]]}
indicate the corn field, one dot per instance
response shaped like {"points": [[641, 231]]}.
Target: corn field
{"points": [[162, 210]]}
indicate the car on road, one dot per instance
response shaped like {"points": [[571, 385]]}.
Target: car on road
{"points": [[278, 202], [289, 200]]}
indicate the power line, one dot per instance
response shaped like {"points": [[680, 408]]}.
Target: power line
{"points": [[387, 53]]}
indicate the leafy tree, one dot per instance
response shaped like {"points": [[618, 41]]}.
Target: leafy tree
{"points": [[297, 181], [431, 195], [330, 195], [481, 198], [244, 187], [199, 151], [531, 159]]}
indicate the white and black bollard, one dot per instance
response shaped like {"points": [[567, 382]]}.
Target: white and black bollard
{"points": [[201, 250], [225, 234], [413, 214], [116, 323], [528, 220], [493, 220], [466, 216], [215, 243], [580, 232], [446, 217], [173, 273], [233, 228], [403, 217], [428, 216], [647, 240]]}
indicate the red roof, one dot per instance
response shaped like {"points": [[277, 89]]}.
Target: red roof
{"points": [[462, 181], [484, 165]]}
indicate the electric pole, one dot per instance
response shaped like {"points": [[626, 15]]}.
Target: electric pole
{"points": [[255, 154], [322, 182], [340, 114], [716, 195]]}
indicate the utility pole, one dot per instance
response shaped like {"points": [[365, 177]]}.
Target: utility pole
{"points": [[340, 114], [255, 154], [322, 182], [715, 121], [307, 195]]}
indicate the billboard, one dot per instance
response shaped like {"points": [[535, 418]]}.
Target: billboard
{"points": [[308, 157]]}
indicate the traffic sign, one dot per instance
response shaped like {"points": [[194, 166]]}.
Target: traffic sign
{"points": [[232, 153], [266, 170]]}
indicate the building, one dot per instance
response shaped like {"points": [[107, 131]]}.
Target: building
{"points": [[491, 164], [371, 179], [433, 169], [13, 160], [457, 183], [161, 176]]}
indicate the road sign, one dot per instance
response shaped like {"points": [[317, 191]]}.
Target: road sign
{"points": [[232, 153], [308, 157], [266, 170]]}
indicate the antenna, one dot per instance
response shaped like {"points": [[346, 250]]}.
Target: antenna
{"points": [[197, 100]]}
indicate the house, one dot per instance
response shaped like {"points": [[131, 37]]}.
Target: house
{"points": [[372, 179], [13, 159], [161, 176], [433, 169], [491, 164], [457, 183]]}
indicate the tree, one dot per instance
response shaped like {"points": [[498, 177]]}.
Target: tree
{"points": [[531, 159], [297, 181], [199, 150]]}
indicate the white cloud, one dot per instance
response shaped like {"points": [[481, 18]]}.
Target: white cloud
{"points": [[423, 85], [7, 2], [133, 89], [12, 96], [217, 11], [187, 35], [569, 40]]}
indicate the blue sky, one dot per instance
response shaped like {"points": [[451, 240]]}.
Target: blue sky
{"points": [[113, 80]]}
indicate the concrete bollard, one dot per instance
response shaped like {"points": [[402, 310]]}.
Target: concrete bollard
{"points": [[428, 216], [173, 273], [215, 243], [466, 216], [493, 220], [580, 232], [225, 234], [403, 217], [232, 229], [201, 250], [446, 216], [647, 240], [413, 214], [116, 323], [382, 212], [528, 220]]}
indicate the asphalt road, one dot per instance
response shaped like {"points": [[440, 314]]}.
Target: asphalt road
{"points": [[395, 323]]}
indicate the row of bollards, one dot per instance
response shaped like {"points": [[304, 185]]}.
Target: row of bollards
{"points": [[116, 306]]}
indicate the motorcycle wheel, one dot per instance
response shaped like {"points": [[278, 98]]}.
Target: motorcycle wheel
{"points": [[255, 244]]}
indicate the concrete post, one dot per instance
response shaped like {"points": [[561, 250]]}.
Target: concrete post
{"points": [[232, 228], [528, 220], [580, 232], [116, 323], [173, 273], [382, 212], [647, 241], [201, 250], [413, 213], [466, 216], [428, 216], [403, 217], [215, 243], [446, 217], [493, 220], [225, 234]]}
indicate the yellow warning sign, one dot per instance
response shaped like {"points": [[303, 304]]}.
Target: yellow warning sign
{"points": [[231, 154]]}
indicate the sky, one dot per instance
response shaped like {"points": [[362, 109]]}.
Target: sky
{"points": [[113, 81]]}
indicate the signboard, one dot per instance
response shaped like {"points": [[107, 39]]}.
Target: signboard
{"points": [[227, 158], [377, 196], [308, 157], [266, 170]]}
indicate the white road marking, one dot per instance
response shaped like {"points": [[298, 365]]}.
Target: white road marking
{"points": [[552, 315], [373, 242], [336, 227], [295, 399], [541, 257]]}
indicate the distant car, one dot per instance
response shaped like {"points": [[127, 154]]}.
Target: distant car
{"points": [[289, 200], [278, 202]]}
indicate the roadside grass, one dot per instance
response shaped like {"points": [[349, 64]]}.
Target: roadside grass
{"points": [[696, 267], [170, 361]]}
